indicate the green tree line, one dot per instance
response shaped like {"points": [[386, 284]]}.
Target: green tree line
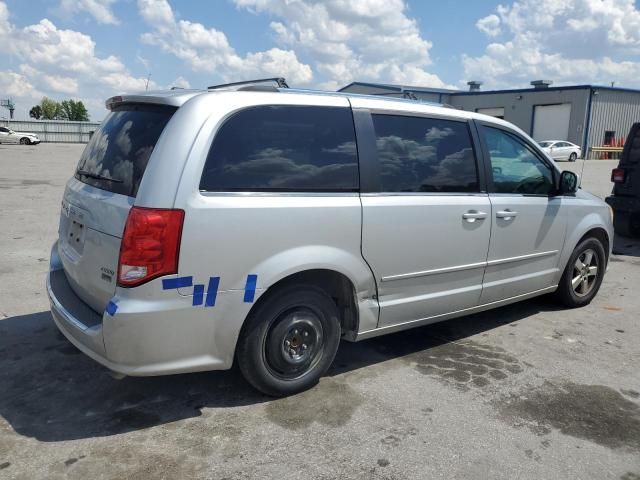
{"points": [[49, 109]]}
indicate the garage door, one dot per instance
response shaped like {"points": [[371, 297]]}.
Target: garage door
{"points": [[551, 122], [494, 112]]}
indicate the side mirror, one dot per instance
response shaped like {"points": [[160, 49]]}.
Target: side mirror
{"points": [[568, 183]]}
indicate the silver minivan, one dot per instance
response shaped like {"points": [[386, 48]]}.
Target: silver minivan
{"points": [[264, 225]]}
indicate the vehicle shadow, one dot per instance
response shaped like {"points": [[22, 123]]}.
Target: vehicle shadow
{"points": [[626, 246], [52, 392]]}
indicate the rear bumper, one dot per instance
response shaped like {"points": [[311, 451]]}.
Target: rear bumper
{"points": [[159, 336], [623, 204]]}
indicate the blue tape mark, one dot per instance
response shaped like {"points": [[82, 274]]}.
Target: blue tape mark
{"points": [[198, 293], [250, 288], [111, 308], [212, 291], [174, 283]]}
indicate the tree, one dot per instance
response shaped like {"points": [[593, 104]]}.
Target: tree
{"points": [[50, 109], [36, 112], [74, 111]]}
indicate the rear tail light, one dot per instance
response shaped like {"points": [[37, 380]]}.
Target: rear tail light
{"points": [[618, 175], [150, 245]]}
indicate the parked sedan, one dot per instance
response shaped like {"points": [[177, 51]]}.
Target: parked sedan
{"points": [[561, 150], [24, 138]]}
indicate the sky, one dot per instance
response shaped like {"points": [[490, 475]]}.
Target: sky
{"points": [[90, 50]]}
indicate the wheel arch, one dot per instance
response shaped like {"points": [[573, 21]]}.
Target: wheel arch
{"points": [[334, 283], [601, 234], [589, 229]]}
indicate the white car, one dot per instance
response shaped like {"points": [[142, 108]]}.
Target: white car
{"points": [[24, 138], [561, 150]]}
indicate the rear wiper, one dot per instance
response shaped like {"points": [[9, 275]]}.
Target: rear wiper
{"points": [[86, 173]]}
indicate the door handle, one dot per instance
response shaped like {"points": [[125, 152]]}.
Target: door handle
{"points": [[473, 215], [506, 214]]}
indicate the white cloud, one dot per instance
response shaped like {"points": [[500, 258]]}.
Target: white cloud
{"points": [[489, 25], [567, 41], [371, 40], [5, 26], [100, 10], [13, 85], [55, 83], [180, 82], [207, 49], [60, 63]]}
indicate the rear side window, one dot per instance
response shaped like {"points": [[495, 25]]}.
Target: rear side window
{"points": [[284, 148], [117, 154], [424, 155]]}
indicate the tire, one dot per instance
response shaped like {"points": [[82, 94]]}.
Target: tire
{"points": [[24, 141], [573, 157], [589, 253], [289, 340]]}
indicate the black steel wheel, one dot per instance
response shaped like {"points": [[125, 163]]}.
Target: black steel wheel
{"points": [[289, 340], [583, 274]]}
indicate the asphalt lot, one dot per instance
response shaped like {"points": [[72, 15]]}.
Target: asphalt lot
{"points": [[527, 391]]}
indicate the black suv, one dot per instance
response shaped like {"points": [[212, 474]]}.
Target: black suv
{"points": [[625, 199]]}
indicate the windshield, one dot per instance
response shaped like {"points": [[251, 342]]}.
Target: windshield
{"points": [[545, 144], [117, 154]]}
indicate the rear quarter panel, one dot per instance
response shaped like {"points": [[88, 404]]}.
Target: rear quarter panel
{"points": [[233, 235]]}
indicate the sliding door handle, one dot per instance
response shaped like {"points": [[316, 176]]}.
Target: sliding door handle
{"points": [[473, 215], [506, 214]]}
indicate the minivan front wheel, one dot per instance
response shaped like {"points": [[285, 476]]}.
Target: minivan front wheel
{"points": [[583, 274], [289, 340]]}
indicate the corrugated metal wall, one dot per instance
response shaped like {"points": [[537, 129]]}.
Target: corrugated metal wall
{"points": [[614, 111], [519, 107], [54, 130]]}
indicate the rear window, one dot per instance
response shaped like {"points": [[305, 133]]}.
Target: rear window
{"points": [[284, 148], [117, 154]]}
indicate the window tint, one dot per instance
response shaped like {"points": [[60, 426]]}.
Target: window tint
{"points": [[515, 167], [120, 149], [284, 148], [4, 130], [424, 155]]}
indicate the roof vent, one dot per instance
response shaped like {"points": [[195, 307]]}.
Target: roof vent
{"points": [[474, 86], [541, 84]]}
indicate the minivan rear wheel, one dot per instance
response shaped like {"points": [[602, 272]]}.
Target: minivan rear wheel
{"points": [[289, 340], [583, 274]]}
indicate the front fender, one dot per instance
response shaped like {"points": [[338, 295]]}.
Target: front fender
{"points": [[592, 220]]}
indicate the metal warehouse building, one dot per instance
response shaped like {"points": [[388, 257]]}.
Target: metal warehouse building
{"points": [[587, 115]]}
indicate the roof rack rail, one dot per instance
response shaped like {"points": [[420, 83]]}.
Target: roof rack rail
{"points": [[280, 81], [404, 93]]}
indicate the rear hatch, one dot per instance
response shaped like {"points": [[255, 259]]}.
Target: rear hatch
{"points": [[630, 163], [97, 200]]}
